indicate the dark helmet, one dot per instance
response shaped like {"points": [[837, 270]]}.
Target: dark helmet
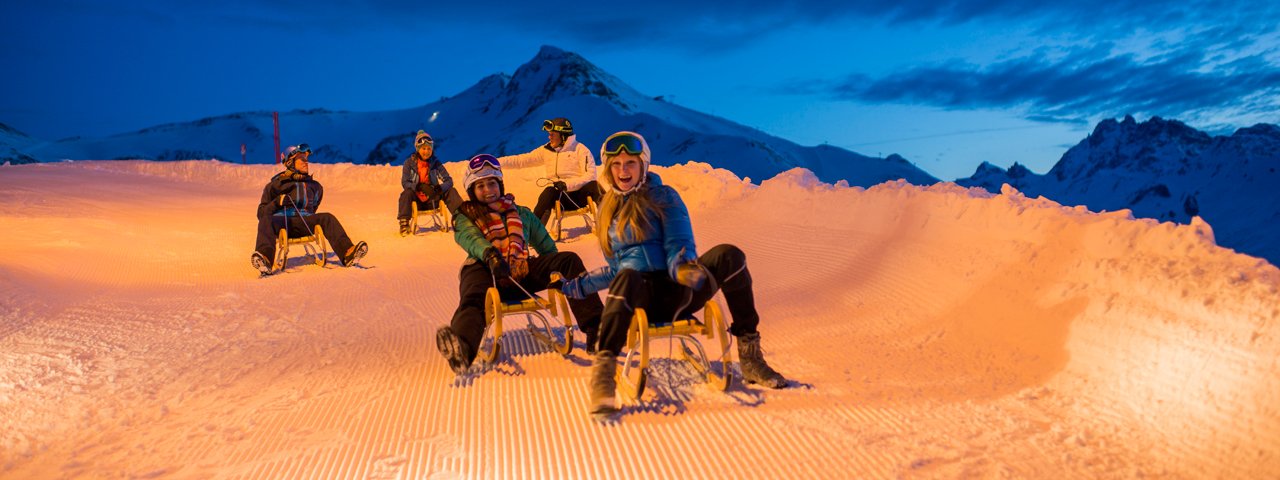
{"points": [[558, 124]]}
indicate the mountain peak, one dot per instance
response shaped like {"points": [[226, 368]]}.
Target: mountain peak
{"points": [[555, 74]]}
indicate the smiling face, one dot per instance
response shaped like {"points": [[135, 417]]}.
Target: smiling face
{"points": [[488, 190], [625, 169], [425, 150]]}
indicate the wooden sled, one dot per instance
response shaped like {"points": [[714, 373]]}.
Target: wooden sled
{"points": [[315, 245], [550, 313], [555, 223], [439, 216], [633, 375]]}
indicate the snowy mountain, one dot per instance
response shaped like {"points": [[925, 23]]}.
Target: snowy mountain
{"points": [[1167, 170], [12, 143], [502, 115]]}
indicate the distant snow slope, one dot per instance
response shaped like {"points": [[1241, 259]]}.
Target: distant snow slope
{"points": [[935, 332], [1165, 170], [501, 115]]}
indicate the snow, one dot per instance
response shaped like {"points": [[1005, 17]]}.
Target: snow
{"points": [[933, 332]]}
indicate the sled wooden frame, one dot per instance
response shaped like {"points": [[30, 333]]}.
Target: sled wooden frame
{"points": [[555, 222], [315, 245], [439, 216], [633, 375], [555, 307]]}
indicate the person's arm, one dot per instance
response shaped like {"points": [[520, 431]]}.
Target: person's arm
{"points": [[446, 181], [584, 169], [677, 231], [468, 236], [409, 174], [522, 160], [588, 283], [270, 198], [535, 233]]}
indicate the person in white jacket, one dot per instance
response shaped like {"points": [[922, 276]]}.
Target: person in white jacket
{"points": [[571, 169]]}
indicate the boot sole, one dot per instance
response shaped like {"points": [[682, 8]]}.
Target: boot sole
{"points": [[451, 347]]}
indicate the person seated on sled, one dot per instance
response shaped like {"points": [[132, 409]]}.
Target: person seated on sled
{"points": [[570, 168], [291, 200], [651, 263], [496, 233], [425, 181]]}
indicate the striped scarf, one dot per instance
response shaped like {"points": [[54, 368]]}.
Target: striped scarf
{"points": [[501, 226]]}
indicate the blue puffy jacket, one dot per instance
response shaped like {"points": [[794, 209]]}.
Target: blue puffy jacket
{"points": [[668, 243]]}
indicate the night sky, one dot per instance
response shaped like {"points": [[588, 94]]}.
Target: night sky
{"points": [[945, 84]]}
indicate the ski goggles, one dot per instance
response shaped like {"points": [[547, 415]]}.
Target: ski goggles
{"points": [[479, 161], [424, 140], [300, 149], [551, 126], [625, 142]]}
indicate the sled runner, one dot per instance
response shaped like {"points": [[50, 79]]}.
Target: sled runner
{"points": [[635, 357], [314, 244], [549, 313], [559, 214], [439, 217]]}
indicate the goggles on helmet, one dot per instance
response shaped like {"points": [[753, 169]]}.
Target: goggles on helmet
{"points": [[625, 142], [481, 160], [551, 126], [424, 140]]}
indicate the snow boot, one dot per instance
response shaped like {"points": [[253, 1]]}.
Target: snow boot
{"points": [[454, 350], [593, 337], [404, 227], [354, 254], [603, 384], [754, 368], [260, 262]]}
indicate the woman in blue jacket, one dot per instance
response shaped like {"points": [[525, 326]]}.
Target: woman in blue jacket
{"points": [[648, 245]]}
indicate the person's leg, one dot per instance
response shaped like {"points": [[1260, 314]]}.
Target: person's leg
{"points": [[468, 323], [268, 229], [333, 231], [579, 197], [546, 201], [728, 265], [628, 291], [404, 208], [586, 311], [452, 200]]}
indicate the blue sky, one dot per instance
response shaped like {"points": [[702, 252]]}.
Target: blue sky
{"points": [[945, 84]]}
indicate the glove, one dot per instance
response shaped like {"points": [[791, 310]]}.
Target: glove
{"points": [[497, 265], [298, 176], [556, 284], [559, 185], [691, 275], [427, 189]]}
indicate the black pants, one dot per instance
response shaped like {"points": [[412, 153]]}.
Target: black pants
{"points": [[660, 296], [405, 207], [270, 225], [571, 200], [474, 281]]}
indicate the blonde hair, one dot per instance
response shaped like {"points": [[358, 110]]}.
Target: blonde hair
{"points": [[640, 207]]}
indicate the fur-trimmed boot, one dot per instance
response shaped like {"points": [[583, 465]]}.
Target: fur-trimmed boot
{"points": [[754, 368], [603, 385]]}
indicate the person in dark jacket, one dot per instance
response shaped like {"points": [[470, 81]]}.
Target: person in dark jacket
{"points": [[290, 200], [425, 181], [652, 263], [497, 234]]}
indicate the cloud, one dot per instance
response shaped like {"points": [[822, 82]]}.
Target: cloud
{"points": [[1082, 85]]}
